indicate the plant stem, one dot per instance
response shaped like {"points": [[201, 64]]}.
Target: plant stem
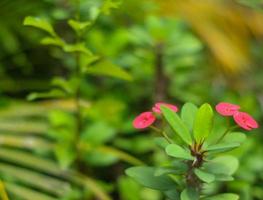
{"points": [[163, 133], [225, 133]]}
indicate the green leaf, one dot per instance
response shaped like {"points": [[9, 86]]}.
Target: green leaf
{"points": [[108, 5], [222, 165], [189, 194], [44, 182], [79, 47], [204, 176], [55, 93], [235, 137], [78, 26], [188, 114], [128, 188], [177, 125], [53, 41], [203, 122], [3, 193], [26, 193], [227, 196], [65, 154], [98, 133], [169, 170], [39, 23], [176, 151], [222, 147], [145, 176], [107, 68], [172, 194]]}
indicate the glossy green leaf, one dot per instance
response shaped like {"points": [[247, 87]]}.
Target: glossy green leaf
{"points": [[188, 114], [189, 194], [203, 122], [169, 170], [107, 68], [146, 177], [222, 147], [177, 151], [39, 23], [225, 165], [177, 124], [227, 196], [204, 176]]}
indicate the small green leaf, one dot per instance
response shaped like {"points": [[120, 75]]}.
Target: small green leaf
{"points": [[107, 68], [145, 176], [79, 47], [203, 122], [176, 151], [189, 194], [52, 41], [222, 147], [39, 23], [108, 5], [55, 93], [78, 26], [188, 114], [177, 125], [224, 165], [226, 196], [204, 176]]}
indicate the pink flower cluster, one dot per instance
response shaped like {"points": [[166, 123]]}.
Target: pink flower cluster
{"points": [[146, 119], [243, 119]]}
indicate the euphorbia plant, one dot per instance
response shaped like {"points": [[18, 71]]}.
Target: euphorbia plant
{"points": [[196, 147]]}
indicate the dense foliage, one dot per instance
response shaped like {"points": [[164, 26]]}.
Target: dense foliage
{"points": [[76, 73]]}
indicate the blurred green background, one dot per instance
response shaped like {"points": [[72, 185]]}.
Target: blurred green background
{"points": [[175, 51]]}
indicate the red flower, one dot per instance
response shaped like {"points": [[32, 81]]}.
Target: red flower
{"points": [[144, 120], [157, 107], [245, 121], [227, 109]]}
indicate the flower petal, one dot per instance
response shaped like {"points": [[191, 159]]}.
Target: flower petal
{"points": [[227, 109], [144, 120]]}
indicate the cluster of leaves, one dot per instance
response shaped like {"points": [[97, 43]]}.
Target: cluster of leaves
{"points": [[197, 160]]}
